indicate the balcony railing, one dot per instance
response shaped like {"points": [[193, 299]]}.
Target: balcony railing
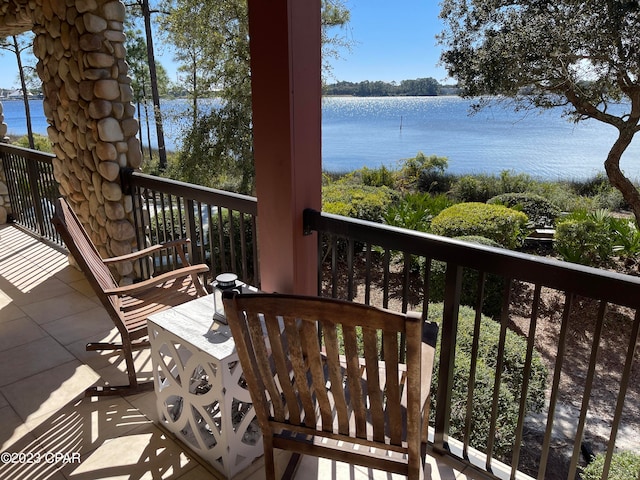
{"points": [[221, 225], [582, 322], [588, 377], [32, 189]]}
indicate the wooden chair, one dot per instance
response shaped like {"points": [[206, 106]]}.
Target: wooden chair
{"points": [[346, 384], [128, 306]]}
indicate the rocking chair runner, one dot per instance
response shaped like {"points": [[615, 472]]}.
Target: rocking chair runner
{"points": [[128, 306], [341, 393]]}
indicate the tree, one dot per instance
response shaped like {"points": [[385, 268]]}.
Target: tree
{"points": [[582, 56], [17, 46], [139, 71], [142, 7], [211, 41]]}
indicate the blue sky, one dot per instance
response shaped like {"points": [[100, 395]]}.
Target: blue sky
{"points": [[393, 40]]}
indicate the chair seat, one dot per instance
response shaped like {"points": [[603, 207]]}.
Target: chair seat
{"points": [[135, 310]]}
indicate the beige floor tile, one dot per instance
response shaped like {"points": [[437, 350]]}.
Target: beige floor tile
{"points": [[12, 429], [36, 288], [31, 358], [18, 332], [46, 258], [9, 312], [144, 453], [86, 325], [69, 274], [96, 359], [146, 404], [84, 288], [37, 396], [116, 372], [84, 425], [29, 461], [51, 309], [200, 473]]}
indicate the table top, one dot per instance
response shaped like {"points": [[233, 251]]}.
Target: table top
{"points": [[193, 323]]}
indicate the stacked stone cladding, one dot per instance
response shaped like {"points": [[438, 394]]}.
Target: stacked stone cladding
{"points": [[80, 49]]}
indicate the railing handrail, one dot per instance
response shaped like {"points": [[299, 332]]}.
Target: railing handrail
{"points": [[198, 193], [27, 153], [583, 280]]}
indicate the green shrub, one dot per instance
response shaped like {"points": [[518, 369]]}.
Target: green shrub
{"points": [[510, 386], [357, 201], [493, 287], [40, 142], [585, 238], [482, 187], [416, 210], [626, 237], [624, 466], [496, 222], [591, 186], [563, 196], [425, 174], [541, 212], [600, 192], [378, 177]]}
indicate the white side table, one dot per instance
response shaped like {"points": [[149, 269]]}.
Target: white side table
{"points": [[201, 395]]}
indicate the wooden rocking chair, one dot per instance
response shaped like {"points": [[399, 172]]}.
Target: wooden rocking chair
{"points": [[343, 394], [128, 306]]}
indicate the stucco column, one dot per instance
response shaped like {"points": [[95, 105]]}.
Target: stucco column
{"points": [[87, 102], [286, 91]]}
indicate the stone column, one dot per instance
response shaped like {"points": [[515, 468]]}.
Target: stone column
{"points": [[87, 102]]}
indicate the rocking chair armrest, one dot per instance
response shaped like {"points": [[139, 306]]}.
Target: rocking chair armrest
{"points": [[155, 281], [146, 251]]}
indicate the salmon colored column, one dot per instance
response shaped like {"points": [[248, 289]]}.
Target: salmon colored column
{"points": [[286, 90]]}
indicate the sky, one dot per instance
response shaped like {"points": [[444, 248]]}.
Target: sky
{"points": [[392, 40]]}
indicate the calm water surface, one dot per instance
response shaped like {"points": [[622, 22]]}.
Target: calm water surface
{"points": [[371, 132]]}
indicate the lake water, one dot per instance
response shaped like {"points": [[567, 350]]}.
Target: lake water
{"points": [[371, 132]]}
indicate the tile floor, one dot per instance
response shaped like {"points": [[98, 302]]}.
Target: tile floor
{"points": [[47, 314]]}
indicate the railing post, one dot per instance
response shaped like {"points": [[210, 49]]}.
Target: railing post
{"points": [[453, 287], [32, 174], [192, 232]]}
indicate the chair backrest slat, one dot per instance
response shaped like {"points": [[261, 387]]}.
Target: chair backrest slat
{"points": [[353, 380], [372, 357], [282, 371], [298, 364], [315, 362], [390, 342], [335, 377]]}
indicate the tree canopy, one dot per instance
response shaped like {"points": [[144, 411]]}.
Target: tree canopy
{"points": [[582, 56], [211, 41], [366, 88]]}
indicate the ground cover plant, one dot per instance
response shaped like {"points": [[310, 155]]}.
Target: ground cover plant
{"points": [[624, 466]]}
